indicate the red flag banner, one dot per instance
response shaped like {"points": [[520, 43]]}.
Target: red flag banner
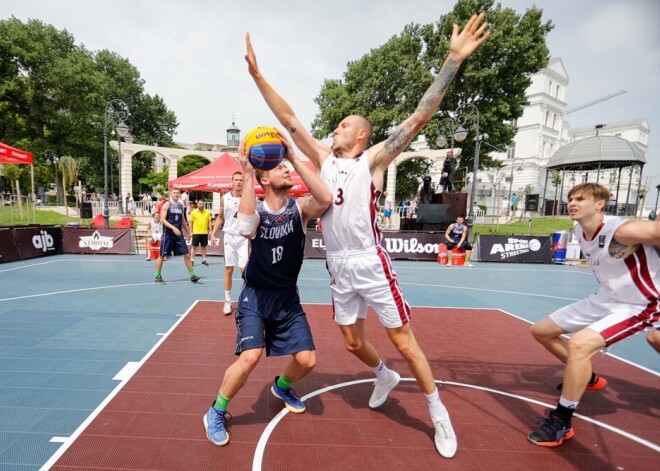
{"points": [[10, 155]]}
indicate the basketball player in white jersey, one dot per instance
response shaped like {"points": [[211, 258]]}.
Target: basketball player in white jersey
{"points": [[360, 269], [235, 245], [624, 257]]}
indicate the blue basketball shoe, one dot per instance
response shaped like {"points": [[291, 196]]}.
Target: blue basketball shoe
{"points": [[216, 426], [291, 401]]}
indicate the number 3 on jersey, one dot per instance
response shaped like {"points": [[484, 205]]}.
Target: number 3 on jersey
{"points": [[339, 200]]}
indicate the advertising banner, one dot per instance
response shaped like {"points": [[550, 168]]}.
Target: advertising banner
{"points": [[399, 245], [515, 249], [8, 247], [106, 241], [38, 241]]}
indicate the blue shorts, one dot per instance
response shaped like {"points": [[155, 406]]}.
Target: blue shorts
{"points": [[387, 213], [173, 246], [274, 319]]}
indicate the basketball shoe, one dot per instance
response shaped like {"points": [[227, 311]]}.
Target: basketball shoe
{"points": [[382, 389], [445, 437], [291, 401], [216, 423], [552, 432], [596, 384]]}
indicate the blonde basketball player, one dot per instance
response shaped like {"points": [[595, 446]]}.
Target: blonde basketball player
{"points": [[623, 256]]}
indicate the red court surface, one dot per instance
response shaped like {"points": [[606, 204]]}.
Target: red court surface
{"points": [[492, 366]]}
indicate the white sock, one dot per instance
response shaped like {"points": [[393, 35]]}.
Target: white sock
{"points": [[227, 295], [567, 404], [436, 408], [381, 371]]}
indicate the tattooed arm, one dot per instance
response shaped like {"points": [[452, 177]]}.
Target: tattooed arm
{"points": [[461, 45]]}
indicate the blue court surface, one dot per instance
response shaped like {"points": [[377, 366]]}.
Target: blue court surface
{"points": [[72, 326]]}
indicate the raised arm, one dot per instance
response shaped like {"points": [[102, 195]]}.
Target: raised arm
{"points": [[247, 207], [639, 232], [461, 45], [315, 205], [315, 150]]}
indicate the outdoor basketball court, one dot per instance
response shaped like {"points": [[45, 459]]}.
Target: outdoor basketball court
{"points": [[102, 369]]}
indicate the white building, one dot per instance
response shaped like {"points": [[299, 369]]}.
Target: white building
{"points": [[542, 130]]}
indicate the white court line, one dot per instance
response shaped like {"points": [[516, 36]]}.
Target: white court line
{"points": [[70, 440], [96, 288], [518, 293], [28, 266], [263, 439]]}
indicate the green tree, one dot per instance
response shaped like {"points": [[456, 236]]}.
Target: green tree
{"points": [[53, 95], [386, 84], [69, 171], [156, 181], [190, 163]]}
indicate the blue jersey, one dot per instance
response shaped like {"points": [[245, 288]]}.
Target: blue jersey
{"points": [[456, 232], [175, 215], [277, 249]]}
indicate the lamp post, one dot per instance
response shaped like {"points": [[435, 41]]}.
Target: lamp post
{"points": [[117, 111], [53, 159], [465, 114], [516, 164], [122, 130]]}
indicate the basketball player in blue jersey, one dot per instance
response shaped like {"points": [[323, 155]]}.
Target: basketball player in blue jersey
{"points": [[269, 314], [172, 215], [360, 268]]}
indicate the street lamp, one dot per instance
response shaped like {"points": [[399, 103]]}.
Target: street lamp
{"points": [[122, 130], [117, 111], [465, 114], [516, 164], [53, 159]]}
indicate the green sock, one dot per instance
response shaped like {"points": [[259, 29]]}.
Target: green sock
{"points": [[221, 402], [283, 382], [192, 272], [157, 273]]}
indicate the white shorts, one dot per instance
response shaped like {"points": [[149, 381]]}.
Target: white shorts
{"points": [[362, 279], [236, 250], [612, 319]]}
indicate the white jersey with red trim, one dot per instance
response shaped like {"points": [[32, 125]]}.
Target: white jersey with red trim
{"points": [[633, 280], [230, 211], [350, 223]]}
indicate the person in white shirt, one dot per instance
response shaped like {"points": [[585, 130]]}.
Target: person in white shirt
{"points": [[360, 269]]}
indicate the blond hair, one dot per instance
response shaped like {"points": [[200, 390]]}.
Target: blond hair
{"points": [[598, 192]]}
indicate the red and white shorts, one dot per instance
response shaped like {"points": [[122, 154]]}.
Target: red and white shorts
{"points": [[365, 278], [612, 319]]}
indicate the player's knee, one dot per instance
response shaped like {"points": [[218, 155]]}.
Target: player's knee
{"points": [[353, 345], [307, 359], [250, 358], [538, 332], [653, 338]]}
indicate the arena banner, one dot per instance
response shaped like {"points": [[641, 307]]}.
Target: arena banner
{"points": [[8, 246], [38, 241], [515, 249], [399, 245], [92, 240]]}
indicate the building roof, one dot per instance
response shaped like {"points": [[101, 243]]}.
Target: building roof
{"points": [[596, 152]]}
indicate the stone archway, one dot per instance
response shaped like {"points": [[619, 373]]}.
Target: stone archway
{"points": [[438, 157], [166, 154]]}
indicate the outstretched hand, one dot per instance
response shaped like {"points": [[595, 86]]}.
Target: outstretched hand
{"points": [[464, 43], [250, 57]]}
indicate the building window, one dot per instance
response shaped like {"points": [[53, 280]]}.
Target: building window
{"points": [[554, 121], [547, 119], [550, 88], [557, 91], [511, 151]]}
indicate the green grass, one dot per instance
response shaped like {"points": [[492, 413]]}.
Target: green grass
{"points": [[43, 217], [537, 227]]}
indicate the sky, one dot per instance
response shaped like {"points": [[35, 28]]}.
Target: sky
{"points": [[192, 53]]}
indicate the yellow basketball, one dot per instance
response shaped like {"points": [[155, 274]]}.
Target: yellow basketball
{"points": [[265, 147]]}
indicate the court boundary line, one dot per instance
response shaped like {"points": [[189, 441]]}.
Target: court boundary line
{"points": [[263, 439], [81, 428]]}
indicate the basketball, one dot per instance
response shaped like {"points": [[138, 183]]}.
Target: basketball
{"points": [[265, 148]]}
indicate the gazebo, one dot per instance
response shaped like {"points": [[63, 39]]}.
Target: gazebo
{"points": [[590, 159]]}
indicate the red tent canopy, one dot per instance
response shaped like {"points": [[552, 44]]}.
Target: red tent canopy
{"points": [[10, 155], [216, 176]]}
